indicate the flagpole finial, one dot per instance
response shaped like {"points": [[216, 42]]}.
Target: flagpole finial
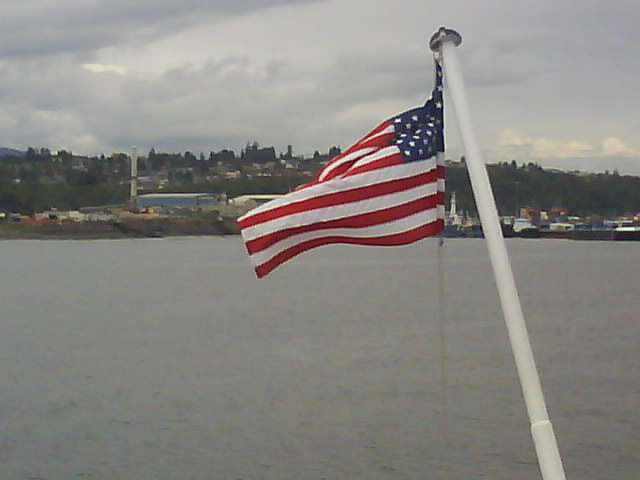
{"points": [[443, 35]]}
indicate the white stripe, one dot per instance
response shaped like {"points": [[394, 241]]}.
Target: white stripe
{"points": [[441, 184], [339, 211], [339, 184], [391, 228], [386, 131], [379, 155], [346, 159]]}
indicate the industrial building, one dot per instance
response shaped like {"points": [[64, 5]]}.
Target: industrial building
{"points": [[176, 200]]}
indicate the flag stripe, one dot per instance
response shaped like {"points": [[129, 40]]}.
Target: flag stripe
{"points": [[339, 165], [387, 130], [374, 231], [355, 221], [385, 157], [312, 189], [355, 194], [371, 143], [384, 128], [403, 238], [344, 190], [308, 217]]}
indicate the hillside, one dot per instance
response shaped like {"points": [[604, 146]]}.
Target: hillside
{"points": [[39, 180], [5, 151], [580, 193]]}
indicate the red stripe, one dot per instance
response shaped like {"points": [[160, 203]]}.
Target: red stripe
{"points": [[378, 142], [383, 162], [403, 238], [377, 164], [375, 143], [339, 198], [355, 221], [359, 143], [331, 165], [346, 169], [337, 171]]}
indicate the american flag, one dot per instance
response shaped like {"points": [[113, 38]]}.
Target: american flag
{"points": [[387, 189]]}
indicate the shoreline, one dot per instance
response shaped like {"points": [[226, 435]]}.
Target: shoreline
{"points": [[162, 228], [157, 228]]}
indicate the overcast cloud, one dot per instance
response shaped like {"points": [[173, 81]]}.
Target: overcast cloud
{"points": [[550, 82]]}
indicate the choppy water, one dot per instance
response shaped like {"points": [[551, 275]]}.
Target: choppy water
{"points": [[165, 359]]}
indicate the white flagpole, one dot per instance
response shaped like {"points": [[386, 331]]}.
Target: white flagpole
{"points": [[445, 41]]}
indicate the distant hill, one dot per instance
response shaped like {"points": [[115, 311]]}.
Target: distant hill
{"points": [[4, 151]]}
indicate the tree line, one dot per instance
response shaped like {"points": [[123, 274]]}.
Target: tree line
{"points": [[529, 185], [41, 180]]}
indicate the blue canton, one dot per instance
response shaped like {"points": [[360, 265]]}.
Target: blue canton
{"points": [[419, 132]]}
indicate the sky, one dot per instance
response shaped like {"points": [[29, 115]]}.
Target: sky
{"points": [[550, 82]]}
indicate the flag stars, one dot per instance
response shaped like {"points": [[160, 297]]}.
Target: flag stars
{"points": [[418, 131]]}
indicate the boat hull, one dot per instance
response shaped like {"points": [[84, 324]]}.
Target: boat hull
{"points": [[626, 235], [592, 235]]}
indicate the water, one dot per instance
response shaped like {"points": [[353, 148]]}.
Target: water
{"points": [[165, 359]]}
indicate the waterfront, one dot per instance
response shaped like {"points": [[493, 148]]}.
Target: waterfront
{"points": [[166, 359]]}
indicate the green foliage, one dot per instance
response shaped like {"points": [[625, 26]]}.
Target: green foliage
{"points": [[533, 187], [40, 180], [31, 198]]}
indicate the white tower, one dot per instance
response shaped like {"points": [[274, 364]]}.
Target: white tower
{"points": [[453, 211], [454, 218], [134, 175]]}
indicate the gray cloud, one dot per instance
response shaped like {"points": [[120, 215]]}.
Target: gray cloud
{"points": [[65, 26], [624, 165], [312, 76]]}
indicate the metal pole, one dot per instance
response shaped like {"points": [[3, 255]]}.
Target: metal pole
{"points": [[134, 176], [444, 41]]}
